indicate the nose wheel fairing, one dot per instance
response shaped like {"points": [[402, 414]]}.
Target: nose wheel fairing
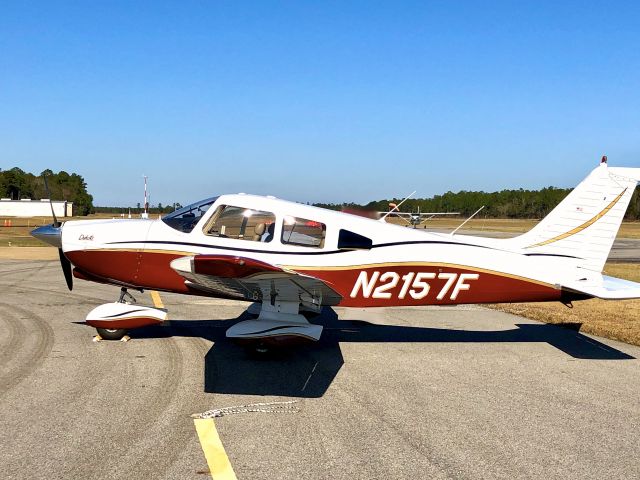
{"points": [[118, 315]]}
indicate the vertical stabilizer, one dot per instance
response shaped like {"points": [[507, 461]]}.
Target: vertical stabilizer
{"points": [[586, 222]]}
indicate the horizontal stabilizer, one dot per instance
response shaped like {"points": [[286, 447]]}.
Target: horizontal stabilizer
{"points": [[608, 288]]}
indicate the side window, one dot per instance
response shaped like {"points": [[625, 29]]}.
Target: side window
{"points": [[241, 223], [302, 231]]}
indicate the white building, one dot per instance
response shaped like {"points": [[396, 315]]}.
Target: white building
{"points": [[34, 208]]}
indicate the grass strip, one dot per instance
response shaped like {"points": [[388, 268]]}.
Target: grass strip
{"points": [[616, 320]]}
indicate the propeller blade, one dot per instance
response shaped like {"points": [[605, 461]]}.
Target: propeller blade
{"points": [[64, 261], [66, 269], [56, 223]]}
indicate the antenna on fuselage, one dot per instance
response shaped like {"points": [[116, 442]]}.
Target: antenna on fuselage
{"points": [[465, 222], [396, 207]]}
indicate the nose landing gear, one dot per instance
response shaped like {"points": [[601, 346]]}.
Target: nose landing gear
{"points": [[113, 320]]}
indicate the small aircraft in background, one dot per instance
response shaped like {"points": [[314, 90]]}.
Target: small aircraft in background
{"points": [[413, 219], [288, 259], [416, 219]]}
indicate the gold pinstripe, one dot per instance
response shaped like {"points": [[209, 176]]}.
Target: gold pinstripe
{"points": [[138, 250], [173, 252], [583, 226], [358, 267], [418, 264]]}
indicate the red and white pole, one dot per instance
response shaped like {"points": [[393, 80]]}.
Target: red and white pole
{"points": [[146, 199]]}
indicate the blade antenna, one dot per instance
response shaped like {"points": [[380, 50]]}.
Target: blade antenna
{"points": [[465, 222], [397, 206]]}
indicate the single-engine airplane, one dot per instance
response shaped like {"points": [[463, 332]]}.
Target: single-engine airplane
{"points": [[288, 258], [415, 219]]}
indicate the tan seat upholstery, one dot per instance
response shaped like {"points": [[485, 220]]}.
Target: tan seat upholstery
{"points": [[258, 230]]}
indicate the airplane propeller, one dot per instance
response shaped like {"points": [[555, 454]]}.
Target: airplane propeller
{"points": [[66, 269], [52, 234]]}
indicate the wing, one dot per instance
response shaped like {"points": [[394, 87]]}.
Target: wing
{"points": [[608, 288], [421, 214], [250, 279], [435, 214], [398, 214]]}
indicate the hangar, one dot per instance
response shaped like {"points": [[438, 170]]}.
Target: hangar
{"points": [[34, 208]]}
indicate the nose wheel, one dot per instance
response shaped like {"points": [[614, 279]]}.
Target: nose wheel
{"points": [[111, 333], [117, 333], [125, 299]]}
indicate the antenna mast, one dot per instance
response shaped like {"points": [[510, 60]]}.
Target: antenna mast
{"points": [[465, 222], [397, 207], [145, 214]]}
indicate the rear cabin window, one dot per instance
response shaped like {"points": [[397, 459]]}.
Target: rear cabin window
{"points": [[241, 223], [303, 232]]}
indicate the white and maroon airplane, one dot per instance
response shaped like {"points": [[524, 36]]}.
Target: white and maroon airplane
{"points": [[288, 258]]}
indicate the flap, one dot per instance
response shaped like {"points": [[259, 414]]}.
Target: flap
{"points": [[250, 279], [608, 288]]}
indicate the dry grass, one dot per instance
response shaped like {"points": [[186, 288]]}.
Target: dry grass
{"points": [[617, 320], [512, 227], [17, 235], [477, 224]]}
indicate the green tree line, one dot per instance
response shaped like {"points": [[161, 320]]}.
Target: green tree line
{"points": [[153, 209], [17, 184], [503, 204]]}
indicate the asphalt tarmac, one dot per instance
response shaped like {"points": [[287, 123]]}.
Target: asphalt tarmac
{"points": [[460, 392], [626, 250]]}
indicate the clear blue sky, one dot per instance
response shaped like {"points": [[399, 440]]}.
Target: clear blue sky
{"points": [[318, 101]]}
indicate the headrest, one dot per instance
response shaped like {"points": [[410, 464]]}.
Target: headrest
{"points": [[259, 229]]}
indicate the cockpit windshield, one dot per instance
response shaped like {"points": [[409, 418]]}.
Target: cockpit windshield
{"points": [[185, 219]]}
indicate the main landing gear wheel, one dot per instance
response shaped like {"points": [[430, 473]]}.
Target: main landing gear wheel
{"points": [[253, 346], [111, 333], [258, 349]]}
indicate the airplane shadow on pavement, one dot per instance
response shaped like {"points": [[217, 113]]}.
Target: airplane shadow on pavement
{"points": [[308, 370]]}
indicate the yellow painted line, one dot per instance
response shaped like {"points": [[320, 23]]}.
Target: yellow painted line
{"points": [[219, 464], [157, 301]]}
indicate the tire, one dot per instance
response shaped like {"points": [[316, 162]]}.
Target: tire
{"points": [[252, 346], [310, 315], [111, 333], [257, 350]]}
